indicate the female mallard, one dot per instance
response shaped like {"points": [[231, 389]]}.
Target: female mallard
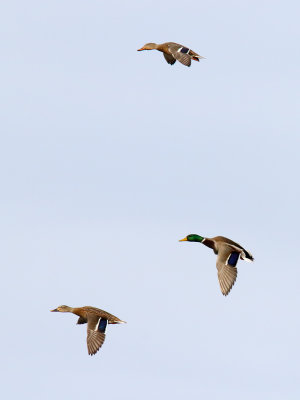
{"points": [[96, 320], [228, 254], [174, 51]]}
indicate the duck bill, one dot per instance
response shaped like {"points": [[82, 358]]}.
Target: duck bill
{"points": [[55, 310], [183, 240], [142, 48]]}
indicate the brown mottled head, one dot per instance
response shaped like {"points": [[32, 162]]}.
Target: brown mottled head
{"points": [[148, 46], [62, 309]]}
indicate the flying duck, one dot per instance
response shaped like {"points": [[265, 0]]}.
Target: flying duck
{"points": [[228, 253], [96, 320], [174, 51]]}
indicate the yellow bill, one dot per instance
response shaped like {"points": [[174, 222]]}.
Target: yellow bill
{"points": [[183, 240]]}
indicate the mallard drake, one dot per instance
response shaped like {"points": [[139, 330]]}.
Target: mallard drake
{"points": [[174, 51], [228, 253], [96, 320]]}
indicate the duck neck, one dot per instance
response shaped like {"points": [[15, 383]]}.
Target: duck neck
{"points": [[75, 311], [209, 243], [160, 47]]}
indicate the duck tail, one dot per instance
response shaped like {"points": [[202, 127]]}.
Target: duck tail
{"points": [[197, 58], [247, 256], [118, 321]]}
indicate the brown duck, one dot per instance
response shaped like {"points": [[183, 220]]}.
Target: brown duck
{"points": [[174, 51], [96, 320], [228, 253]]}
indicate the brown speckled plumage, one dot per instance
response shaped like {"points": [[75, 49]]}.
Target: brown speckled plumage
{"points": [[174, 52], [96, 320]]}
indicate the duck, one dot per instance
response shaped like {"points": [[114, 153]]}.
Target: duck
{"points": [[96, 321], [228, 252], [174, 51]]}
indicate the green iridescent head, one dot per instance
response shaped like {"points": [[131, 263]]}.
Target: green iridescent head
{"points": [[193, 238]]}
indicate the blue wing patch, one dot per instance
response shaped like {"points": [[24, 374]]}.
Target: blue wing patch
{"points": [[233, 258], [102, 325], [184, 50]]}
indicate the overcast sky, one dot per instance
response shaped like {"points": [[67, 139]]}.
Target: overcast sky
{"points": [[108, 156]]}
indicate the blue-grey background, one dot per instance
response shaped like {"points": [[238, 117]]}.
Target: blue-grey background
{"points": [[108, 157]]}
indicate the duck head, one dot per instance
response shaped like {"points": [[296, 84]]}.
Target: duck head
{"points": [[62, 309], [148, 46], [192, 238]]}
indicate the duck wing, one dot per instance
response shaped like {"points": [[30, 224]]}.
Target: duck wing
{"points": [[95, 333], [97, 312], [228, 257], [81, 320], [245, 254], [180, 53], [169, 58]]}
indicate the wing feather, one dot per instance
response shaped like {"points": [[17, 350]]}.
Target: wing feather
{"points": [[184, 58], [227, 274], [169, 58], [95, 334], [95, 340]]}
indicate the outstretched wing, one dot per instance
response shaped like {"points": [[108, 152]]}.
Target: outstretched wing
{"points": [[81, 320], [95, 333], [180, 53], [170, 59], [226, 264]]}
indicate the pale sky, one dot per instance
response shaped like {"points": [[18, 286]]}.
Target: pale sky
{"points": [[109, 156]]}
